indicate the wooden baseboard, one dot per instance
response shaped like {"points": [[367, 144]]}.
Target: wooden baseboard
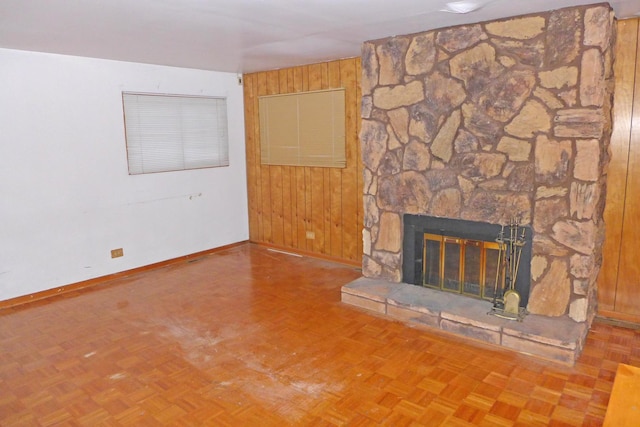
{"points": [[37, 296], [620, 319], [309, 254]]}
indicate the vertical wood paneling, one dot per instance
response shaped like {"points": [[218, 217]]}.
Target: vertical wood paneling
{"points": [[301, 203], [259, 206], [317, 209], [308, 223], [301, 208], [618, 282], [326, 213], [250, 100], [351, 188], [275, 176], [317, 176], [359, 164], [288, 190], [286, 202], [335, 182], [624, 71], [628, 289], [264, 177]]}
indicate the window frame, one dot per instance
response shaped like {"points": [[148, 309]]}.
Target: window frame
{"points": [[304, 129], [179, 136]]}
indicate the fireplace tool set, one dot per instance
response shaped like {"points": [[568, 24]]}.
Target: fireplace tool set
{"points": [[506, 299]]}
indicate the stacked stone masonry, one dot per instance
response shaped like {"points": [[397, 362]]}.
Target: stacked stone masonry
{"points": [[488, 122]]}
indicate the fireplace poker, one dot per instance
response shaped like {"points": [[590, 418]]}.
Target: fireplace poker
{"points": [[520, 244], [500, 241], [514, 255]]}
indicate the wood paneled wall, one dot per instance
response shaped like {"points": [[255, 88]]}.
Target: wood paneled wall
{"points": [[619, 280], [286, 202]]}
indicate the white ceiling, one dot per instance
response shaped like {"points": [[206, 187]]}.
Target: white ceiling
{"points": [[237, 35]]}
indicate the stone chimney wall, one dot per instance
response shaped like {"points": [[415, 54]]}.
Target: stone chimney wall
{"points": [[493, 121]]}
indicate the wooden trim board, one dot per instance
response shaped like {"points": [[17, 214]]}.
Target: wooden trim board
{"points": [[60, 290]]}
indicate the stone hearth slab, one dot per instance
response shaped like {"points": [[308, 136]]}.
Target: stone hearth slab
{"points": [[555, 338]]}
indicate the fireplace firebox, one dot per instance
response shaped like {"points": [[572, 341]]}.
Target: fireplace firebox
{"points": [[462, 257]]}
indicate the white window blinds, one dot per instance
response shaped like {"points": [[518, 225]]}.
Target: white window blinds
{"points": [[303, 129], [174, 132]]}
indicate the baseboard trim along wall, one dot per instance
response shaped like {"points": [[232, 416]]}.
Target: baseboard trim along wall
{"points": [[37, 296], [309, 254]]}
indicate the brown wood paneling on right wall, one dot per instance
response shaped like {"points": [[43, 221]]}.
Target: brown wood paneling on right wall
{"points": [[619, 279]]}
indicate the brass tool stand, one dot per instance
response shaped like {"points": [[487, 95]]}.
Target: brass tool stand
{"points": [[506, 299]]}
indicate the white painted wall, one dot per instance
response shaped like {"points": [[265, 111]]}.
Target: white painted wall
{"points": [[66, 198]]}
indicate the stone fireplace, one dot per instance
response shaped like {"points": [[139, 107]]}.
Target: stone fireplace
{"points": [[489, 122]]}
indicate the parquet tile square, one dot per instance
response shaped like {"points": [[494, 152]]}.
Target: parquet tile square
{"points": [[532, 419], [488, 390], [513, 399], [479, 401], [469, 414], [434, 415], [567, 415], [248, 337], [491, 420]]}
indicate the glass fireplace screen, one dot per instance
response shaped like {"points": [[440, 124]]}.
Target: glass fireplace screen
{"points": [[463, 266]]}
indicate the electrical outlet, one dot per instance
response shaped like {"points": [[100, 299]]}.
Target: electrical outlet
{"points": [[117, 253], [311, 235]]}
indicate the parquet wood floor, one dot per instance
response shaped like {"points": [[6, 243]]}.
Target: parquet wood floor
{"points": [[250, 337]]}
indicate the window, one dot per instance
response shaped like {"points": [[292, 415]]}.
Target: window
{"points": [[303, 129], [174, 132]]}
